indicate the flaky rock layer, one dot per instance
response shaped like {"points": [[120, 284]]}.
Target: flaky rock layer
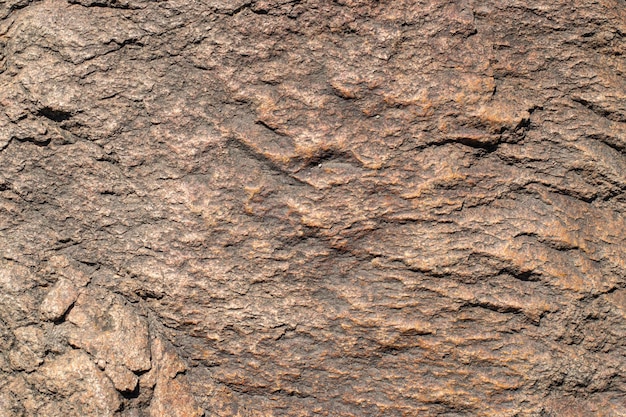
{"points": [[312, 208]]}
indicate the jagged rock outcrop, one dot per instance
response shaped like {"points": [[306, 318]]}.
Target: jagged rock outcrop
{"points": [[316, 207]]}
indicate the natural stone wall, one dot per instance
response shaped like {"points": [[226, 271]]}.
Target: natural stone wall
{"points": [[312, 208]]}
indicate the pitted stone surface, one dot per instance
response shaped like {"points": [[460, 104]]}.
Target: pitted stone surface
{"points": [[312, 207]]}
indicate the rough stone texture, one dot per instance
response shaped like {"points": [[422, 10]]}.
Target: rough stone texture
{"points": [[77, 387], [312, 207], [123, 379], [171, 395], [113, 332], [59, 300]]}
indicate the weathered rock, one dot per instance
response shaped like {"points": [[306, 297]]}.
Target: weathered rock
{"points": [[110, 330], [58, 301], [123, 379], [28, 350], [63, 266], [18, 398], [172, 397], [79, 388], [321, 207], [18, 288]]}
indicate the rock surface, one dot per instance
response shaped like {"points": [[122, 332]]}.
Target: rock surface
{"points": [[59, 300], [76, 387], [312, 207]]}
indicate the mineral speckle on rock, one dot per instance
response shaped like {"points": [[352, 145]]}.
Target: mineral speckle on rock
{"points": [[28, 348], [110, 330], [172, 395], [59, 300], [123, 379], [312, 208], [77, 386]]}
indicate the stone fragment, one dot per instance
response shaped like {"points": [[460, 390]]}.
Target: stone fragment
{"points": [[9, 406], [16, 397], [147, 381], [77, 383], [333, 208], [58, 300], [110, 329], [14, 277], [123, 379], [502, 115], [4, 364], [172, 396], [65, 267], [16, 293], [22, 358], [28, 349]]}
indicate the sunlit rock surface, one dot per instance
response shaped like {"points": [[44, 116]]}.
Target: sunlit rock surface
{"points": [[312, 208]]}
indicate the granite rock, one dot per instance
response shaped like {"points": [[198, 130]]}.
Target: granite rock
{"points": [[312, 208], [59, 300], [172, 395], [110, 330]]}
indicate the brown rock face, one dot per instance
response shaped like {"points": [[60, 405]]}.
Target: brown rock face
{"points": [[81, 387], [312, 208]]}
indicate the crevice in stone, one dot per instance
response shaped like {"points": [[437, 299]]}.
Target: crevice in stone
{"points": [[600, 111], [54, 115]]}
